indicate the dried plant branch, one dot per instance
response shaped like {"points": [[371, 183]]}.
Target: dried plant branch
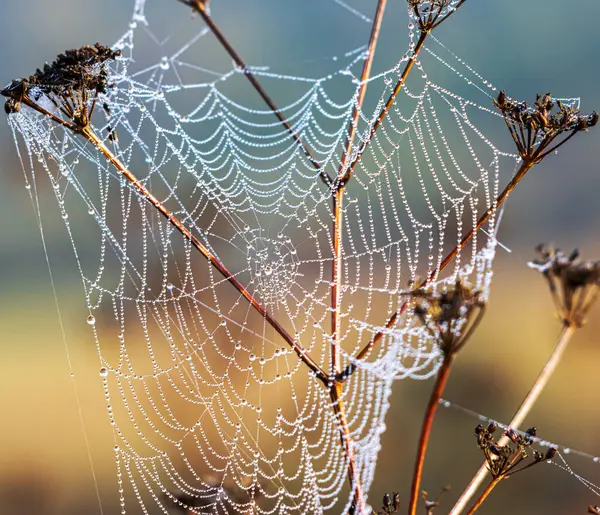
{"points": [[574, 286], [450, 318], [201, 7], [504, 460], [429, 15], [547, 122], [530, 399], [336, 269], [73, 82]]}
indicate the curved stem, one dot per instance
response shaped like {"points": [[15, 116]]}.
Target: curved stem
{"points": [[434, 400], [488, 490], [524, 409]]}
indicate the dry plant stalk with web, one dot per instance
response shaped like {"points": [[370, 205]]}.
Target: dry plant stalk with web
{"points": [[266, 256]]}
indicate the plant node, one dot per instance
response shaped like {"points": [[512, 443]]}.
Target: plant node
{"points": [[574, 284]]}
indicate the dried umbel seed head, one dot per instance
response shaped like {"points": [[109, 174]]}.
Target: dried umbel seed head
{"points": [[450, 316], [505, 460], [574, 284], [537, 129], [431, 13], [71, 83]]}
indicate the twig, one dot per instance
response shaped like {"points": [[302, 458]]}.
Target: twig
{"points": [[200, 8], [524, 409], [336, 269], [392, 98], [488, 490], [434, 401], [91, 136], [523, 169]]}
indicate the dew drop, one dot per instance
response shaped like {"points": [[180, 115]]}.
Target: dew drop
{"points": [[164, 63], [91, 319], [103, 372]]}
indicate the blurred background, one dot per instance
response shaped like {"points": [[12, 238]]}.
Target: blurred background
{"points": [[523, 47]]}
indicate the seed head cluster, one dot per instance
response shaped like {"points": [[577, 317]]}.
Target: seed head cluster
{"points": [[70, 82], [505, 460], [574, 284], [535, 128], [450, 316]]}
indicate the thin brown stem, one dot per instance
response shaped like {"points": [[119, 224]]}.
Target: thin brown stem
{"points": [[392, 98], [337, 389], [338, 199], [200, 8], [530, 399], [488, 490], [358, 505], [88, 133], [432, 405], [521, 172], [360, 97]]}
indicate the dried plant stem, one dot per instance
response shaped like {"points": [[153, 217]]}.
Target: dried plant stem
{"points": [[341, 184], [488, 490], [88, 133], [434, 400], [530, 399], [358, 504], [200, 8], [521, 172], [390, 101]]}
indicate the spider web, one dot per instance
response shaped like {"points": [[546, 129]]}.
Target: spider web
{"points": [[211, 410]]}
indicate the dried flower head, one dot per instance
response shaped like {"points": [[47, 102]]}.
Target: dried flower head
{"points": [[71, 84], [574, 284], [595, 510], [450, 316], [505, 460], [431, 13], [430, 505], [391, 504], [535, 129]]}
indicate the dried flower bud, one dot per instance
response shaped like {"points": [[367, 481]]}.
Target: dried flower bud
{"points": [[450, 316], [492, 426], [574, 284]]}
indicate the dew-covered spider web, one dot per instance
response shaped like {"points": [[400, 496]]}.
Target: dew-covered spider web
{"points": [[211, 409]]}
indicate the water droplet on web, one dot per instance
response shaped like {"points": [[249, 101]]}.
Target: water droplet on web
{"points": [[268, 270], [164, 63], [103, 372], [91, 319]]}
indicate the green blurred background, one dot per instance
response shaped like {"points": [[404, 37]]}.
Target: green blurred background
{"points": [[523, 47]]}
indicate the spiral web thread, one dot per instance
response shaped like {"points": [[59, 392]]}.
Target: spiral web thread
{"points": [[210, 409]]}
